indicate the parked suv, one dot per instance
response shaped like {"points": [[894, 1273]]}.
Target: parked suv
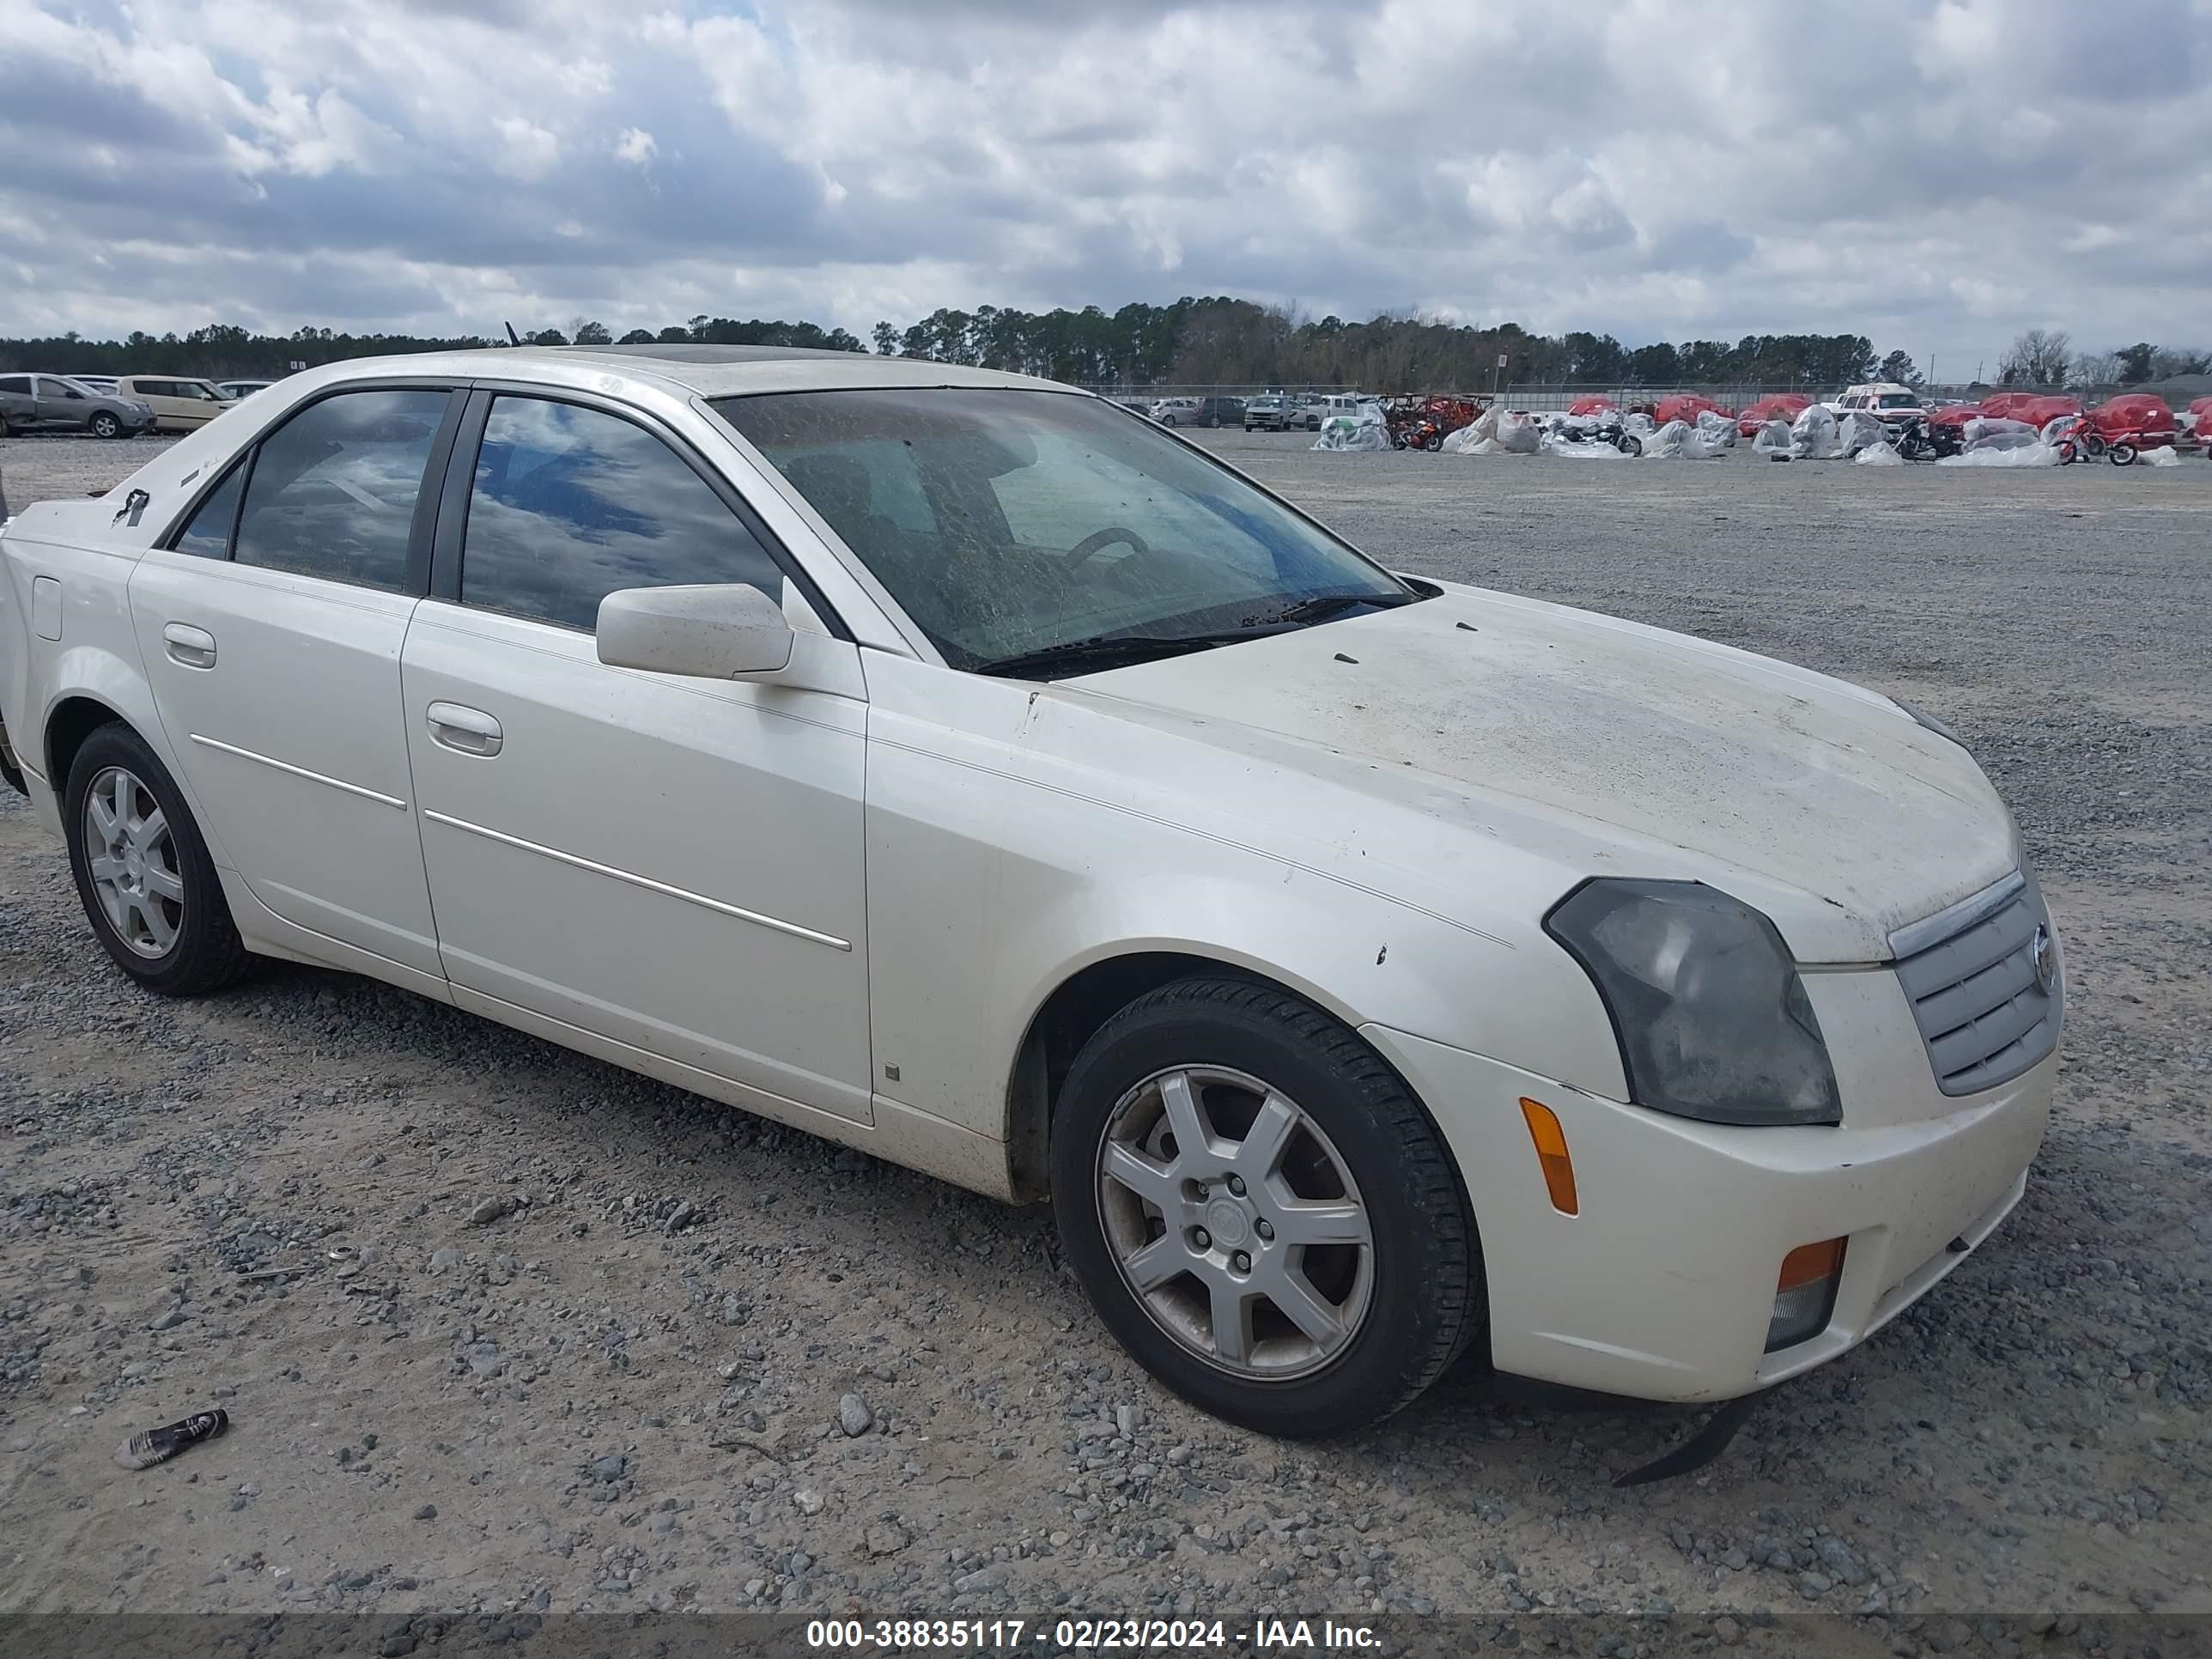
{"points": [[1274, 411], [178, 405], [1886, 401], [29, 403]]}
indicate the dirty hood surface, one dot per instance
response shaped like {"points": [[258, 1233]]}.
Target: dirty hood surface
{"points": [[1851, 818]]}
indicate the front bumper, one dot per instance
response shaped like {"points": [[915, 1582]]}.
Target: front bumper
{"points": [[1662, 1287]]}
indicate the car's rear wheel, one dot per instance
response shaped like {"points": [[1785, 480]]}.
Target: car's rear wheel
{"points": [[104, 425], [1260, 1211], [142, 870]]}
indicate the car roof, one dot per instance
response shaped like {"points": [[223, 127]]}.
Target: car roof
{"points": [[726, 371]]}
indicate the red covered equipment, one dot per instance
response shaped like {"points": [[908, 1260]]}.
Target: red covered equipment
{"points": [[2138, 417], [1957, 414], [1685, 405], [1591, 407], [2039, 412], [1775, 406]]}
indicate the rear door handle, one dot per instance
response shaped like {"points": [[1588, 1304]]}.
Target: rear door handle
{"points": [[465, 729], [188, 647]]}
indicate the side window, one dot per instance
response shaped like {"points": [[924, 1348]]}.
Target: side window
{"points": [[16, 383], [571, 503], [209, 533], [333, 491]]}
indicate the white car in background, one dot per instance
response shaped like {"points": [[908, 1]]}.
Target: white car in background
{"points": [[180, 402], [1366, 969], [1885, 400]]}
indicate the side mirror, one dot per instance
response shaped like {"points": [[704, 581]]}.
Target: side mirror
{"points": [[720, 632]]}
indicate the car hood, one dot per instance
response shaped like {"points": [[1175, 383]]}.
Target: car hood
{"points": [[1616, 748]]}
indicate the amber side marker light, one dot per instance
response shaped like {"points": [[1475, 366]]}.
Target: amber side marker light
{"points": [[1551, 1154], [1805, 1293]]}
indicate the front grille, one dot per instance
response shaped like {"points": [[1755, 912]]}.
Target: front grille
{"points": [[1969, 974]]}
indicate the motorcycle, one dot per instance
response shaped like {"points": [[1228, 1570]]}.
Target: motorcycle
{"points": [[1922, 439], [2078, 440], [1599, 431]]}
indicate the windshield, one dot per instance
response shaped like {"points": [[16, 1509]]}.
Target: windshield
{"points": [[1012, 523], [1898, 400]]}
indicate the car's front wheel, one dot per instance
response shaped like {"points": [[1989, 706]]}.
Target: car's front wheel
{"points": [[104, 425], [1260, 1211], [147, 884]]}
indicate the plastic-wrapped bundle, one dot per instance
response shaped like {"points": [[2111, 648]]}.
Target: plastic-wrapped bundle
{"points": [[1773, 439], [2163, 455], [1638, 421], [1813, 436], [1718, 430], [1878, 454], [2020, 449], [1518, 433], [1587, 449], [1678, 441], [1856, 431], [1998, 432], [1362, 432], [1477, 437]]}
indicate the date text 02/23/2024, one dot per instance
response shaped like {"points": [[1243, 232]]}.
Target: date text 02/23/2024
{"points": [[1084, 1635]]}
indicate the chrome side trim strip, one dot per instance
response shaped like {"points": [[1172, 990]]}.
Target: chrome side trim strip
{"points": [[1916, 937], [646, 882], [301, 772]]}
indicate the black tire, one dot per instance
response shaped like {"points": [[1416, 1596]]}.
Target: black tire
{"points": [[1313, 422], [1432, 440], [1425, 1304], [11, 770], [1629, 444], [6, 431], [1211, 422], [2092, 445], [105, 424], [206, 954], [2121, 454]]}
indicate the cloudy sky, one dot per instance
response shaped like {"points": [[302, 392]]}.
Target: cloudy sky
{"points": [[1939, 174]]}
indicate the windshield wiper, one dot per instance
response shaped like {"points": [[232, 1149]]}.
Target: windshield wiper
{"points": [[1108, 651], [1321, 606]]}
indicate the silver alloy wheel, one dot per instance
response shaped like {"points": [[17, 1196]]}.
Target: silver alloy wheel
{"points": [[1235, 1221], [133, 862]]}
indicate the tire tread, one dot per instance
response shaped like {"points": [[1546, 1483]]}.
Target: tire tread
{"points": [[1434, 1187]]}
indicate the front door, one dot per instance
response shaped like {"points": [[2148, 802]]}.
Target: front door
{"points": [[272, 629], [671, 863]]}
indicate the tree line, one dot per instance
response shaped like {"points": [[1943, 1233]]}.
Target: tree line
{"points": [[1210, 340]]}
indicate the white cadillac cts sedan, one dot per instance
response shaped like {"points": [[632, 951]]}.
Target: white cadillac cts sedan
{"points": [[964, 768]]}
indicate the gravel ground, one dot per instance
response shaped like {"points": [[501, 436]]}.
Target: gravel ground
{"points": [[557, 1337]]}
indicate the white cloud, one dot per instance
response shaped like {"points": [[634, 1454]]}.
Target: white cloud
{"points": [[1936, 173], [526, 149]]}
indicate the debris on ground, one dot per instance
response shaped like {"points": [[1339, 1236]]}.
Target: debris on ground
{"points": [[148, 1447]]}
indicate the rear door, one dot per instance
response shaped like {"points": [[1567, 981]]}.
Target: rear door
{"points": [[270, 626], [672, 863]]}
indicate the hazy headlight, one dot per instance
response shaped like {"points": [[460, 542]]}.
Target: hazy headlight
{"points": [[1712, 1019]]}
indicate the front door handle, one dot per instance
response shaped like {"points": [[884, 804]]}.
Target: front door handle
{"points": [[188, 647], [465, 729]]}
